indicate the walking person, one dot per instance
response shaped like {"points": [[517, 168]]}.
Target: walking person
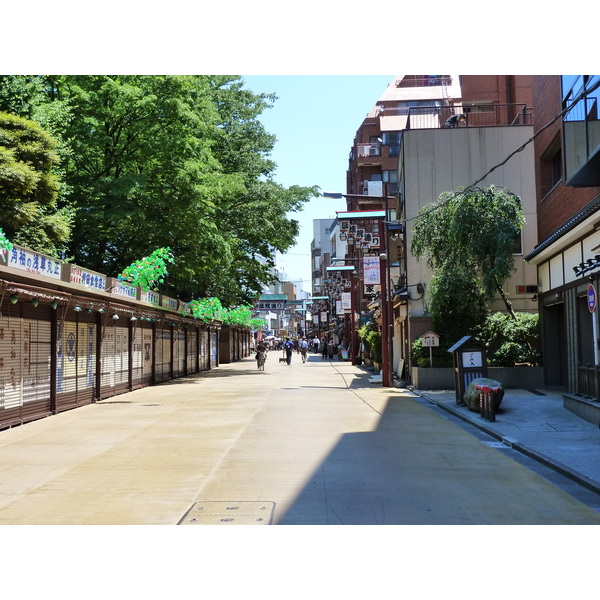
{"points": [[324, 348], [289, 348], [316, 345], [304, 349], [330, 349], [261, 355]]}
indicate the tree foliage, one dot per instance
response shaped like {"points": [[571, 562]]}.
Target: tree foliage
{"points": [[512, 341], [29, 186], [167, 161], [468, 239]]}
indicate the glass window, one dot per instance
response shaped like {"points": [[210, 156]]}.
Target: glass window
{"points": [[581, 132]]}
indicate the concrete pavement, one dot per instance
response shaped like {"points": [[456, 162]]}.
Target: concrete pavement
{"points": [[312, 443], [535, 423]]}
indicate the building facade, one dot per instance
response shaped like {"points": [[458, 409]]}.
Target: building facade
{"points": [[426, 135], [567, 163]]}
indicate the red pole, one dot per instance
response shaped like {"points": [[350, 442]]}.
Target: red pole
{"points": [[385, 345], [353, 352]]}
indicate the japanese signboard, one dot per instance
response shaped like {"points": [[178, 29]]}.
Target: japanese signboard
{"points": [[87, 278], [472, 359], [122, 288], [150, 297], [346, 301], [271, 305], [28, 260], [371, 270]]}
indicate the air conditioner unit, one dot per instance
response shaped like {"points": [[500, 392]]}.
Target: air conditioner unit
{"points": [[373, 151]]}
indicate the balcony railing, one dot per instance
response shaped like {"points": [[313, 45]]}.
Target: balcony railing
{"points": [[588, 381], [370, 149], [423, 81], [480, 115]]}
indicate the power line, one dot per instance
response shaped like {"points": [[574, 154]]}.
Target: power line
{"points": [[561, 114]]}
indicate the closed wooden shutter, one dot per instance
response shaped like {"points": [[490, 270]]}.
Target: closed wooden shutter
{"points": [[178, 353], [192, 350], [24, 370], [163, 354], [114, 360], [75, 362]]}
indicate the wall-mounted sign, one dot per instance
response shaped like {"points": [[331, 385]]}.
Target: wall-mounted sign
{"points": [[89, 279], [471, 359], [40, 264]]}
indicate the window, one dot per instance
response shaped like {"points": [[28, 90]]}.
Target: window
{"points": [[580, 130], [392, 139], [551, 167], [391, 178]]}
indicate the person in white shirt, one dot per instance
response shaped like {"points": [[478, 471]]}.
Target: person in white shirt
{"points": [[304, 349]]}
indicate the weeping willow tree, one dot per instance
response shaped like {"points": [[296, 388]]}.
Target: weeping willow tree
{"points": [[468, 239]]}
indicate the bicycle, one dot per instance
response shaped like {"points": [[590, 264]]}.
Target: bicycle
{"points": [[261, 358]]}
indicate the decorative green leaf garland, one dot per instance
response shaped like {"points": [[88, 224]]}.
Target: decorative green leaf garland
{"points": [[5, 243], [211, 309], [150, 271]]}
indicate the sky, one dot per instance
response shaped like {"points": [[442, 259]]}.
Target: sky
{"points": [[314, 120]]}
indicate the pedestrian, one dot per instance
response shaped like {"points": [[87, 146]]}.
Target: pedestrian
{"points": [[330, 348], [261, 352], [289, 348], [304, 349], [316, 345], [324, 348]]}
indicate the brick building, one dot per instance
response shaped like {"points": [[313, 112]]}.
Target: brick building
{"points": [[567, 156], [428, 134]]}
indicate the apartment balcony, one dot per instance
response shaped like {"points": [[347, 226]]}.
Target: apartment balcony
{"points": [[476, 115], [368, 154]]}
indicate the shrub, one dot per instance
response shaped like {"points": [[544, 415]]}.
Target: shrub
{"points": [[372, 340], [509, 343]]}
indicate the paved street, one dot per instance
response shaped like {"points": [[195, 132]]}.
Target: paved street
{"points": [[312, 443]]}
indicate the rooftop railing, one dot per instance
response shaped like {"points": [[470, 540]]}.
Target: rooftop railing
{"points": [[479, 115]]}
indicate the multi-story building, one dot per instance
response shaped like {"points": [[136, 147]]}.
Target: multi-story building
{"points": [[426, 135], [567, 163], [323, 249]]}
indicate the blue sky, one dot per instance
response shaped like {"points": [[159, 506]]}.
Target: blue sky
{"points": [[315, 119]]}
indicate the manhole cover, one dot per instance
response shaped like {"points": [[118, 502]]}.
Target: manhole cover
{"points": [[229, 513]]}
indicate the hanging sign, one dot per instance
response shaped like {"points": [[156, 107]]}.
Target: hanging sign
{"points": [[371, 270], [346, 301]]}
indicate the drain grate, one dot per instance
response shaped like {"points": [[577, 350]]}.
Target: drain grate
{"points": [[495, 444], [229, 513]]}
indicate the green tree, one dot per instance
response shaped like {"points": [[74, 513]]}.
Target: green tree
{"points": [[179, 162], [30, 186], [468, 238], [512, 340]]}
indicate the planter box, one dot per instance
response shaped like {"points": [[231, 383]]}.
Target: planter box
{"points": [[509, 377], [440, 378]]}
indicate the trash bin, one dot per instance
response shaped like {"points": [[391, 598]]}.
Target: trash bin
{"points": [[470, 362]]}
